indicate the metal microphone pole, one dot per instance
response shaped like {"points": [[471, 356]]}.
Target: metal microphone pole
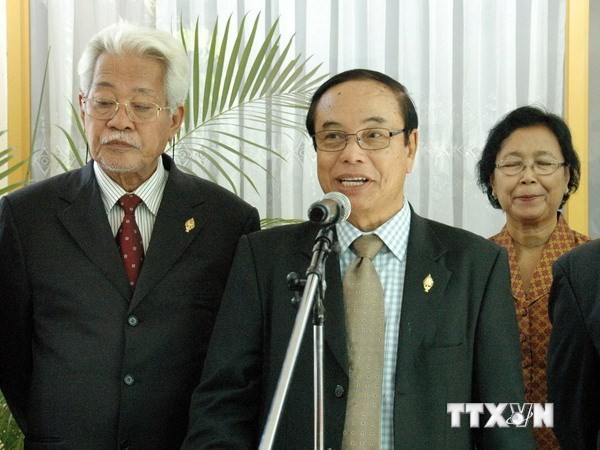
{"points": [[313, 290]]}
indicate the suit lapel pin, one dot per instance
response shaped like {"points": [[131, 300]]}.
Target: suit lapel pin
{"points": [[190, 224], [427, 283]]}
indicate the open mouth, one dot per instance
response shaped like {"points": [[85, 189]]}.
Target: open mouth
{"points": [[352, 182]]}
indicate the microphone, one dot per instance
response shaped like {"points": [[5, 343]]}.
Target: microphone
{"points": [[332, 209]]}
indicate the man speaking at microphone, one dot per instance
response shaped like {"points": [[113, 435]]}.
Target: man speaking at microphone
{"points": [[417, 314]]}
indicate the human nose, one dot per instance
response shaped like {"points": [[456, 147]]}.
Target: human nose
{"points": [[353, 151], [529, 173], [121, 116]]}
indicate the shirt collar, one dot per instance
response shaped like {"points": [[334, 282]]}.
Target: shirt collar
{"points": [[150, 191], [393, 233]]}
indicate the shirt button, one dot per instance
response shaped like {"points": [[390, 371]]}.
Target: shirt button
{"points": [[339, 391], [129, 380], [132, 320]]}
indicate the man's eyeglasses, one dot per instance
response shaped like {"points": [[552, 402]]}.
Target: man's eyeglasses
{"points": [[540, 166], [106, 108], [367, 139]]}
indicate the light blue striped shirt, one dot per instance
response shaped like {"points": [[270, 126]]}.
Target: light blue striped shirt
{"points": [[150, 191], [390, 264]]}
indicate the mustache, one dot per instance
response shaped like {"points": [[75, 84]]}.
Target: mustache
{"points": [[120, 136]]}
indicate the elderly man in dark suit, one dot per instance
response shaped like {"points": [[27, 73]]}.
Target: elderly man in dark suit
{"points": [[447, 327], [96, 353], [574, 351]]}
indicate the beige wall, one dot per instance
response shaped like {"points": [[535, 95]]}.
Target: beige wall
{"points": [[594, 120]]}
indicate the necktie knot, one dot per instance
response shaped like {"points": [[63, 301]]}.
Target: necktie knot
{"points": [[129, 202], [367, 246]]}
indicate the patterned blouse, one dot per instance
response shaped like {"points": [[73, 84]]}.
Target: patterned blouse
{"points": [[532, 314]]}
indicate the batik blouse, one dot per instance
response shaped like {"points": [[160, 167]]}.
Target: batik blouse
{"points": [[532, 314]]}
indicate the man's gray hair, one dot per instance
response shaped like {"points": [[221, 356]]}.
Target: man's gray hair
{"points": [[124, 39]]}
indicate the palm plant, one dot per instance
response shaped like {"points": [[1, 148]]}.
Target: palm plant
{"points": [[255, 87], [7, 155]]}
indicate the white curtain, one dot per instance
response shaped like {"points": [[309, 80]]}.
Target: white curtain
{"points": [[465, 62]]}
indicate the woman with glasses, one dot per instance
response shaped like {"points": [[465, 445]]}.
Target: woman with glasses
{"points": [[529, 169]]}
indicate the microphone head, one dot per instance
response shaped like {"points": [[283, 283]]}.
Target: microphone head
{"points": [[344, 203], [331, 209]]}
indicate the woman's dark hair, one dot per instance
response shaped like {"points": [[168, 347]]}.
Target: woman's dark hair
{"points": [[407, 107], [524, 117]]}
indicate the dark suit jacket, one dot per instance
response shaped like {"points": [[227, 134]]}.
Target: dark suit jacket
{"points": [[574, 351], [82, 366], [458, 343]]}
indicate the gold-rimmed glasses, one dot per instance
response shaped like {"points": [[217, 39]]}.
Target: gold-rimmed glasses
{"points": [[138, 111], [540, 166]]}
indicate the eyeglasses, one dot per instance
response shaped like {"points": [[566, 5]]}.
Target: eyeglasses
{"points": [[367, 139], [106, 108], [540, 166]]}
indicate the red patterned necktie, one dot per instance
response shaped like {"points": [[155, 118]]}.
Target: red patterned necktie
{"points": [[129, 240]]}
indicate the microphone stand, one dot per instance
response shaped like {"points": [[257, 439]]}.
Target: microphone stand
{"points": [[312, 300]]}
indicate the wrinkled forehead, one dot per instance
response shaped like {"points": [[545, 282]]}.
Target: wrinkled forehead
{"points": [[128, 75]]}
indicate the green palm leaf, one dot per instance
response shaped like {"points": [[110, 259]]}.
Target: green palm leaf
{"points": [[249, 86], [243, 61], [6, 155], [73, 148], [11, 437]]}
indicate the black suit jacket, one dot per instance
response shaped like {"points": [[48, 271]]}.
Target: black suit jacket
{"points": [[574, 350], [82, 366], [457, 343]]}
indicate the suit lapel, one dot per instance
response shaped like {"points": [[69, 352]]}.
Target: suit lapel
{"points": [[334, 325], [85, 220], [170, 237]]}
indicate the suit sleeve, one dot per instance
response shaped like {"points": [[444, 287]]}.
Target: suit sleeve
{"points": [[224, 408], [15, 319], [573, 365], [497, 369]]}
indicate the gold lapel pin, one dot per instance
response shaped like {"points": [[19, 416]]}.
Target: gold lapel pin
{"points": [[427, 283], [190, 224]]}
